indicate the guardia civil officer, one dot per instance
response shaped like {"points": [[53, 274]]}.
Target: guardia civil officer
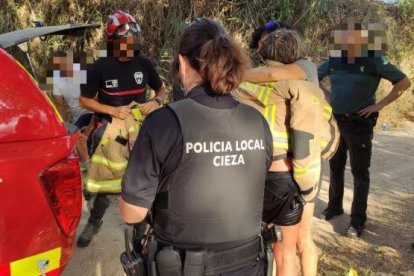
{"points": [[355, 71], [201, 163]]}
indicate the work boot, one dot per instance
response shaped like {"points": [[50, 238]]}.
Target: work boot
{"points": [[354, 232], [91, 229], [329, 214]]}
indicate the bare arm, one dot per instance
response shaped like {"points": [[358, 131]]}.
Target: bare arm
{"points": [[275, 73], [131, 213], [395, 93], [60, 105], [120, 112], [160, 93], [153, 105]]}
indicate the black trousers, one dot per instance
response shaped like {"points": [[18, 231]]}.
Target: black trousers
{"points": [[356, 138], [100, 204]]}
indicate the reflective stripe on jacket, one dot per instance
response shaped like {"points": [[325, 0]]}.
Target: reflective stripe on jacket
{"points": [[110, 159], [302, 126]]}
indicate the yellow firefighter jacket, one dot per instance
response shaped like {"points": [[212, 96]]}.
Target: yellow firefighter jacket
{"points": [[110, 159], [301, 123]]}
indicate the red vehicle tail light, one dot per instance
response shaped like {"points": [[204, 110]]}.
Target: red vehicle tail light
{"points": [[62, 184]]}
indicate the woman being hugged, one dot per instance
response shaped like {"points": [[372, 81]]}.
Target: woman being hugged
{"points": [[303, 131]]}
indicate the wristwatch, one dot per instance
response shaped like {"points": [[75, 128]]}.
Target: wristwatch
{"points": [[159, 102]]}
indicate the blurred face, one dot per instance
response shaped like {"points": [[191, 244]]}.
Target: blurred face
{"points": [[126, 46], [350, 39], [64, 65]]}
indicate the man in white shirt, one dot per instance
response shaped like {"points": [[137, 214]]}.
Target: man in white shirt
{"points": [[67, 78]]}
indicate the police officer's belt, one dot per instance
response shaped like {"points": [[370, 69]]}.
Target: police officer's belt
{"points": [[216, 262], [355, 118]]}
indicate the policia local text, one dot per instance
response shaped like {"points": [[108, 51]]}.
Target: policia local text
{"points": [[225, 147]]}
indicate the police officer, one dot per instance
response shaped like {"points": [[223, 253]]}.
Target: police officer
{"points": [[112, 84], [355, 72], [201, 163]]}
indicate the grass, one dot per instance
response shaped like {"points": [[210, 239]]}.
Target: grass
{"points": [[162, 22]]}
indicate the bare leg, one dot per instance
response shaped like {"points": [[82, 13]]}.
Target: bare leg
{"points": [[306, 246], [285, 252]]}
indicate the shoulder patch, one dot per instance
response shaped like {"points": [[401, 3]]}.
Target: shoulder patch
{"points": [[384, 60]]}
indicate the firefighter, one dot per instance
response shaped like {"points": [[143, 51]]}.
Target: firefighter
{"points": [[113, 84], [201, 163]]}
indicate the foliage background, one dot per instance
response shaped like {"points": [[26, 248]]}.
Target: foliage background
{"points": [[162, 22]]}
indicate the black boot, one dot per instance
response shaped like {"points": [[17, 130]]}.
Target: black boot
{"points": [[91, 229]]}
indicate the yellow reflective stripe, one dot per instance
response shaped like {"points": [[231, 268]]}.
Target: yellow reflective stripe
{"points": [[300, 172], [271, 115], [104, 185], [104, 140], [44, 94], [327, 107], [27, 72], [267, 94], [262, 93], [54, 107], [273, 108], [282, 134], [136, 112], [324, 143], [266, 114], [280, 140], [315, 100], [327, 111], [280, 145], [248, 86], [98, 159], [32, 265]]}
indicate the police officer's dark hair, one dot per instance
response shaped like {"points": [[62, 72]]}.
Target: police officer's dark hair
{"points": [[210, 50], [283, 46], [265, 29]]}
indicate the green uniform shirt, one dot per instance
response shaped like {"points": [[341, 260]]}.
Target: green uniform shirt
{"points": [[353, 86]]}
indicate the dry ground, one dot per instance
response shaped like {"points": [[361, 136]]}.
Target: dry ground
{"points": [[384, 247]]}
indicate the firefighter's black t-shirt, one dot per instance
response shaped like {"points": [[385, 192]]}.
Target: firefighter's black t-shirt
{"points": [[119, 83]]}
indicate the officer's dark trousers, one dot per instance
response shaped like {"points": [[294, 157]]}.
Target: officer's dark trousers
{"points": [[100, 204], [356, 137]]}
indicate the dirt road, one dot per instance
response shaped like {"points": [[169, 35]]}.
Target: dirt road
{"points": [[384, 247]]}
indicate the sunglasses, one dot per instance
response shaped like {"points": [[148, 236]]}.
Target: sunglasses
{"points": [[124, 29]]}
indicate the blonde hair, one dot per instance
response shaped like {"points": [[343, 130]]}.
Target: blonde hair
{"points": [[284, 46]]}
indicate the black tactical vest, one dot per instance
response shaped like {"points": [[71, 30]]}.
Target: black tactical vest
{"points": [[216, 193]]}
